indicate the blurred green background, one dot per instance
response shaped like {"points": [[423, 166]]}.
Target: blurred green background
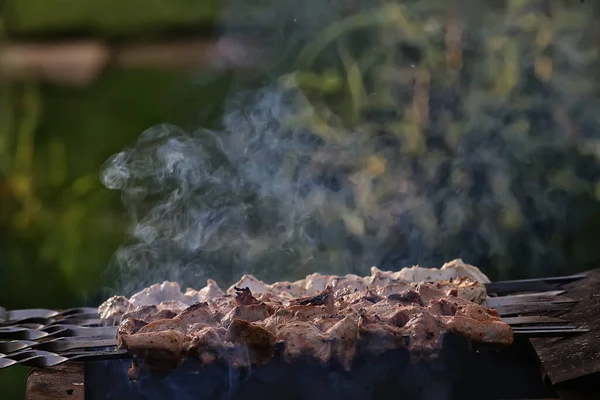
{"points": [[59, 226]]}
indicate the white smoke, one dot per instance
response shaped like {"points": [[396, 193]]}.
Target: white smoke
{"points": [[289, 186]]}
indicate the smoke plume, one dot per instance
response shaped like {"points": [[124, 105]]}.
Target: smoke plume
{"points": [[383, 133]]}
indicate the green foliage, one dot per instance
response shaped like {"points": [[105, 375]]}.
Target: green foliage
{"points": [[61, 225], [107, 17], [488, 115]]}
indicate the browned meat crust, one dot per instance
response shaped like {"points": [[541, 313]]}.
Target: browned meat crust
{"points": [[328, 326], [466, 280]]}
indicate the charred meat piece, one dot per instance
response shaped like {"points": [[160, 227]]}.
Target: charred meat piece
{"points": [[350, 297], [327, 321], [149, 313], [205, 343], [141, 312], [197, 313], [112, 309], [304, 339], [378, 337], [344, 335], [220, 306], [251, 313], [443, 307], [163, 325], [280, 318], [273, 302], [325, 299], [394, 289], [480, 324], [131, 325], [162, 314], [307, 312], [392, 312], [358, 307], [243, 297], [406, 296], [477, 312], [251, 283], [425, 336], [248, 308], [128, 326], [461, 287], [258, 341], [161, 350], [491, 331], [428, 292]]}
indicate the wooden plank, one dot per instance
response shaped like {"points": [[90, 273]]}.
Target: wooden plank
{"points": [[60, 382], [565, 359]]}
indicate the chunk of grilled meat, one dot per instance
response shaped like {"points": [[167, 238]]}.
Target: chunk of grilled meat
{"points": [[258, 341], [112, 309], [333, 324], [304, 339], [344, 336], [206, 343]]}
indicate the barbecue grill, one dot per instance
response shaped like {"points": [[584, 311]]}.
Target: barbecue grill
{"points": [[555, 356]]}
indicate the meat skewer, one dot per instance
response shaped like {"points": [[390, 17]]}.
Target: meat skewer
{"points": [[323, 317]]}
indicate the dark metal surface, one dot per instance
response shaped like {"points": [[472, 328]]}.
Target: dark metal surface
{"points": [[54, 331], [533, 320], [535, 307], [461, 372], [60, 351], [58, 345], [45, 359], [523, 298], [531, 285], [43, 315]]}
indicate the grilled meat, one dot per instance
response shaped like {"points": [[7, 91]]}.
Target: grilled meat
{"points": [[210, 291], [347, 315], [113, 309], [156, 294], [425, 335], [204, 342], [304, 339], [392, 282], [344, 337], [142, 312], [258, 341]]}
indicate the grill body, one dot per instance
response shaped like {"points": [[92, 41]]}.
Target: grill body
{"points": [[460, 372]]}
